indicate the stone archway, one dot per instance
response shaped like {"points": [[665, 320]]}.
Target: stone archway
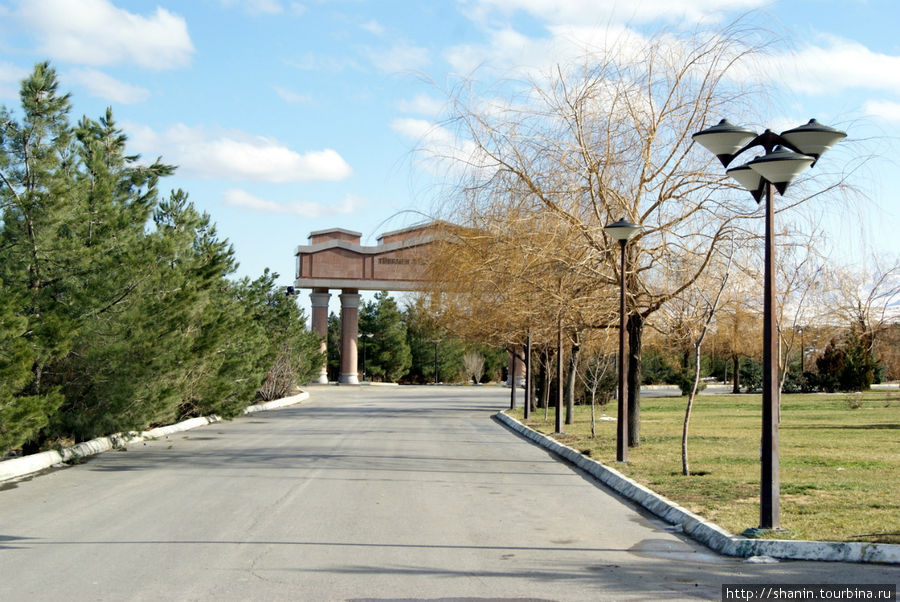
{"points": [[335, 259]]}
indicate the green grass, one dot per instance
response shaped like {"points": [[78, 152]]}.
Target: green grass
{"points": [[840, 467]]}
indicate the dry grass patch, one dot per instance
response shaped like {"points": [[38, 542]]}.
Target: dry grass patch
{"points": [[840, 460]]}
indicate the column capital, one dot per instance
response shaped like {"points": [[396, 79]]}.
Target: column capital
{"points": [[349, 300], [319, 298]]}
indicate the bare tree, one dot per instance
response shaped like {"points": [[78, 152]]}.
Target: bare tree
{"points": [[707, 308], [608, 138], [864, 301], [473, 362], [596, 370]]}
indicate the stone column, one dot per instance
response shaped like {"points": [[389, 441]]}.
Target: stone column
{"points": [[319, 301], [349, 333]]}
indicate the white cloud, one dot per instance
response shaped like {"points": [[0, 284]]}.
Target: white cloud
{"points": [[441, 151], [836, 65], [255, 7], [373, 27], [11, 78], [237, 155], [401, 57], [241, 198], [422, 105], [109, 88], [421, 129], [512, 53], [312, 62], [290, 96], [883, 109], [599, 13], [95, 32]]}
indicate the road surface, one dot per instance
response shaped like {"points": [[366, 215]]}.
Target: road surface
{"points": [[360, 493]]}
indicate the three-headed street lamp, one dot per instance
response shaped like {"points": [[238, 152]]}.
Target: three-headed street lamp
{"points": [[623, 231], [786, 156]]}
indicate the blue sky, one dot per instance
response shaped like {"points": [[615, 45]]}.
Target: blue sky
{"points": [[287, 117]]}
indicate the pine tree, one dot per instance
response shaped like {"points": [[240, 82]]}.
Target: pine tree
{"points": [[388, 356], [36, 162]]}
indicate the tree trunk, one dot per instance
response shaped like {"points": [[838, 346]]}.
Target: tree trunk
{"points": [[635, 328], [542, 377], [736, 366], [685, 465], [570, 381]]}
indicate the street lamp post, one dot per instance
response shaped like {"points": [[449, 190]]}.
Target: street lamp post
{"points": [[435, 341], [365, 336], [622, 231], [786, 156], [528, 391]]}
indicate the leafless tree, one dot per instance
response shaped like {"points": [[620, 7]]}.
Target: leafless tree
{"points": [[605, 139], [473, 362]]}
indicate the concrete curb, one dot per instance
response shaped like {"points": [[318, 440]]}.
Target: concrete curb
{"points": [[707, 533], [19, 467]]}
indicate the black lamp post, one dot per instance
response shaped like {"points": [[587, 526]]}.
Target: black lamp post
{"points": [[622, 231], [435, 341], [365, 336], [786, 156], [528, 377]]}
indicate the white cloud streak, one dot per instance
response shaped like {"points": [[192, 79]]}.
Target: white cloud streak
{"points": [[95, 32], [599, 13], [238, 156], [241, 198], [290, 96], [442, 152], [422, 104], [255, 7], [400, 57], [373, 27], [837, 65], [885, 110], [11, 77], [109, 88]]}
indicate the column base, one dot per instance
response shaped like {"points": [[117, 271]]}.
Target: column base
{"points": [[349, 379], [323, 379]]}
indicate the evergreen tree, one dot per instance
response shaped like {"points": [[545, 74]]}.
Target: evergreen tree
{"points": [[21, 417], [334, 347], [422, 331], [36, 162], [388, 354], [117, 311]]}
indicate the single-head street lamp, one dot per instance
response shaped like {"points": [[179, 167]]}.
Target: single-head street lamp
{"points": [[786, 156], [435, 341], [623, 231]]}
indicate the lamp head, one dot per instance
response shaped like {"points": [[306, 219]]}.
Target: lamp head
{"points": [[622, 230], [749, 179], [781, 167], [813, 138], [724, 140]]}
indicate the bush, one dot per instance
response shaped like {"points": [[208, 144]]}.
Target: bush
{"points": [[685, 381]]}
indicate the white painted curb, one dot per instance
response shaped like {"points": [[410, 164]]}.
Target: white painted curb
{"points": [[20, 467], [707, 533]]}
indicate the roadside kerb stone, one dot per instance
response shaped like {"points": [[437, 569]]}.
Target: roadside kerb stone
{"points": [[703, 531], [15, 468]]}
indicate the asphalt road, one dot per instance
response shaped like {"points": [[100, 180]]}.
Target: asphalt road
{"points": [[361, 493]]}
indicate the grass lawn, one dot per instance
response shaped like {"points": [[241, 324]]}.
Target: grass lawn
{"points": [[840, 459]]}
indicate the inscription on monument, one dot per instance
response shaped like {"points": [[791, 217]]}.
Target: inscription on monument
{"points": [[401, 261]]}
